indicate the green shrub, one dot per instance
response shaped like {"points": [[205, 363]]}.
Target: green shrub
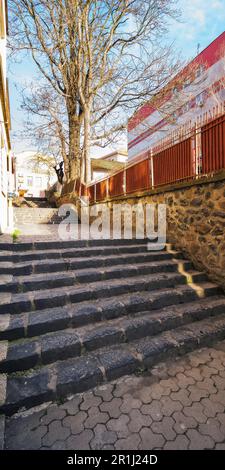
{"points": [[15, 235]]}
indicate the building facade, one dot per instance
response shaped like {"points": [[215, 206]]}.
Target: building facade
{"points": [[6, 160], [196, 90], [33, 177], [114, 161]]}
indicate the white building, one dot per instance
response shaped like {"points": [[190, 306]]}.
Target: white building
{"points": [[34, 174], [114, 161], [197, 90], [6, 162]]}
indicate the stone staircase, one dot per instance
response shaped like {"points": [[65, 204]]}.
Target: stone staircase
{"points": [[77, 314], [35, 216]]}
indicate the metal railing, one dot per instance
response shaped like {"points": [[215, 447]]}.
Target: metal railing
{"points": [[192, 151]]}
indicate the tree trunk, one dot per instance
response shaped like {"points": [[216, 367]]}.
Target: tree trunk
{"points": [[74, 148], [87, 157]]}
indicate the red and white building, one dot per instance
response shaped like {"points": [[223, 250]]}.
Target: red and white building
{"points": [[197, 90]]}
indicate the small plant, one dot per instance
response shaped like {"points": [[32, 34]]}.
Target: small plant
{"points": [[15, 235]]}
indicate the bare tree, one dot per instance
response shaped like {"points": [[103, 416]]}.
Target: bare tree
{"points": [[104, 58], [46, 122]]}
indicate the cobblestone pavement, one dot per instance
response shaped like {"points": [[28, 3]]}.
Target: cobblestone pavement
{"points": [[179, 405]]}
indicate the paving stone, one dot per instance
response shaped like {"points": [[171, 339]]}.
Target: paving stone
{"points": [[121, 388], [180, 443], [154, 410], [53, 413], [56, 432], [170, 406], [95, 417], [164, 427], [102, 437], [210, 408], [182, 422], [112, 407], [170, 384], [184, 381], [195, 373], [212, 428], [129, 403], [220, 446], [196, 394], [72, 406], [217, 364], [221, 419], [58, 445], [120, 426], [76, 423], [146, 395], [138, 421], [150, 440], [197, 359], [196, 411], [175, 369], [198, 441], [219, 383], [218, 397], [156, 391], [207, 371], [182, 396], [89, 401], [130, 443], [105, 392], [207, 384], [80, 441]]}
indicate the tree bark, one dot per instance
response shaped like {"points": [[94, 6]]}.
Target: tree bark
{"points": [[74, 148], [87, 157]]}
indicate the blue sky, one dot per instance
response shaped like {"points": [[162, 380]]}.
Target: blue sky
{"points": [[201, 21]]}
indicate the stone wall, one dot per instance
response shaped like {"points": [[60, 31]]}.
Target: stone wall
{"points": [[195, 220], [196, 224]]}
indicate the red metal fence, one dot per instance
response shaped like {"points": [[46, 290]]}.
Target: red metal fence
{"points": [[116, 184], [176, 163], [138, 177], [189, 153], [213, 145]]}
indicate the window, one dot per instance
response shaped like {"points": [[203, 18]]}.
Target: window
{"points": [[200, 70], [30, 181], [187, 82], [38, 182], [186, 107], [200, 100]]}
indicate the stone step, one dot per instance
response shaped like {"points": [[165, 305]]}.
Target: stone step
{"points": [[36, 323], [70, 263], [63, 245], [63, 378], [61, 345], [18, 284], [20, 257], [58, 297], [36, 215]]}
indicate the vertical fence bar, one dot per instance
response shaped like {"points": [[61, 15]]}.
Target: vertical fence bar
{"points": [[125, 182], [152, 169]]}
